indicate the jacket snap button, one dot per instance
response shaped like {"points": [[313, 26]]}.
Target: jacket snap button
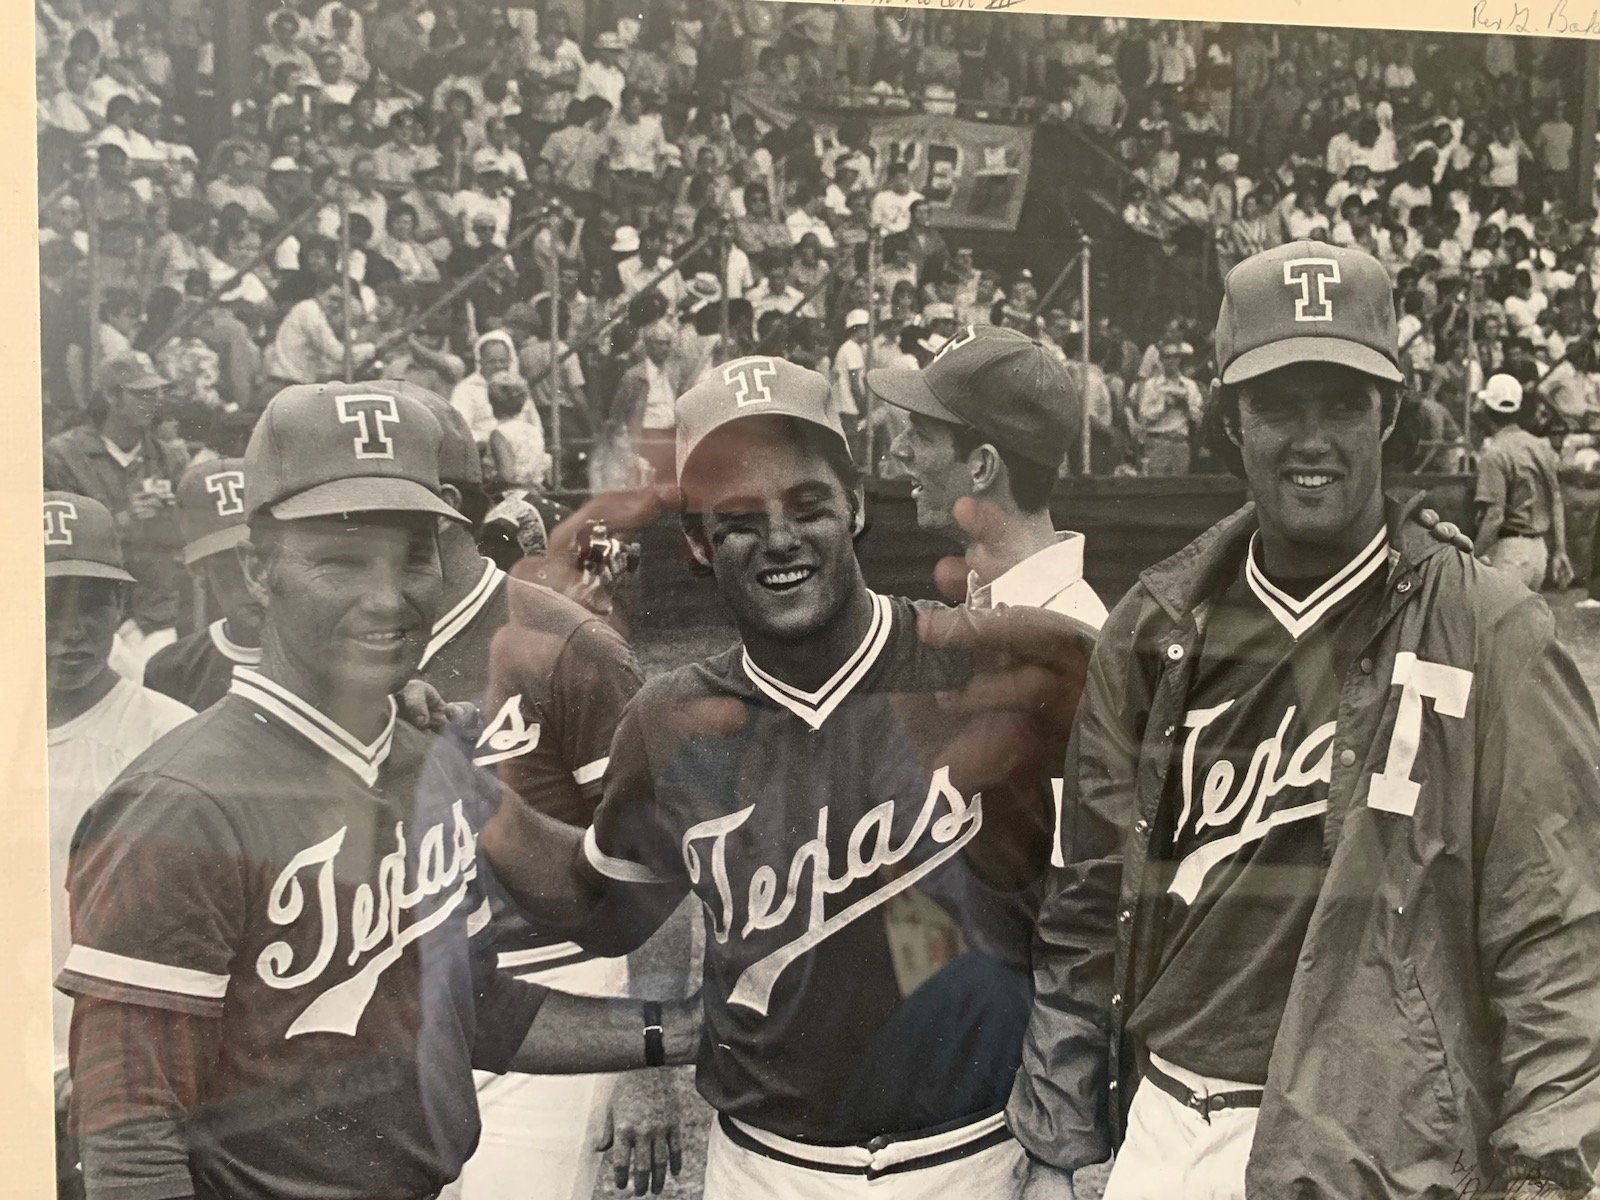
{"points": [[1116, 999], [1347, 758], [1366, 666], [1174, 652], [1126, 915], [1141, 825], [1404, 586]]}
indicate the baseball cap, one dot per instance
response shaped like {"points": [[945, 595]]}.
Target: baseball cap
{"points": [[1307, 302], [326, 448], [1502, 393], [487, 160], [754, 386], [856, 318], [130, 371], [626, 240], [80, 538], [459, 460], [211, 508], [1002, 383]]}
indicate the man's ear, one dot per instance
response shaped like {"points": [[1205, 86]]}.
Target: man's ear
{"points": [[257, 566], [1230, 425], [985, 467], [1394, 417], [699, 546], [452, 495], [858, 514]]}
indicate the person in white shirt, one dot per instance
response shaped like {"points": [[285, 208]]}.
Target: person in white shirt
{"points": [[603, 77], [775, 293], [644, 262], [1525, 305], [891, 208], [496, 355], [97, 721], [849, 372], [808, 216], [485, 201], [1357, 181], [497, 142], [307, 347], [992, 419], [1505, 155]]}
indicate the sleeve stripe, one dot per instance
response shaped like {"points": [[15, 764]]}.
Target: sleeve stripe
{"points": [[141, 973], [589, 772], [619, 869]]}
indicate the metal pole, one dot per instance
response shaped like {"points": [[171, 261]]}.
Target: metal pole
{"points": [[344, 285], [555, 373], [91, 350], [1084, 393], [1472, 361], [867, 399], [725, 245]]}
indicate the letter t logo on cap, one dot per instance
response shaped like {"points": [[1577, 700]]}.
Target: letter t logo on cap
{"points": [[58, 518], [1311, 276], [749, 378], [370, 413], [227, 487]]}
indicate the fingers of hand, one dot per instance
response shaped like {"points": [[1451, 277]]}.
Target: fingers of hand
{"points": [[622, 1152]]}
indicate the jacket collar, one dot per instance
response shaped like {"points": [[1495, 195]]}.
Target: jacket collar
{"points": [[1183, 581]]}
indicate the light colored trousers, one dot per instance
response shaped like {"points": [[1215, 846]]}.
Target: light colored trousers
{"points": [[539, 1131], [1172, 1153], [1524, 558]]}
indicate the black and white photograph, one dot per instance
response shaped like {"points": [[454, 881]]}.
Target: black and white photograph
{"points": [[726, 599]]}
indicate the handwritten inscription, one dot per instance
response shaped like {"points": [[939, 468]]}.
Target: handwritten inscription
{"points": [[964, 5], [1574, 18]]}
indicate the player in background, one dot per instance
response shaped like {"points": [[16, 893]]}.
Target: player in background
{"points": [[797, 784], [278, 988], [98, 722], [1522, 521], [117, 459], [991, 419], [1334, 803], [562, 679], [198, 669]]}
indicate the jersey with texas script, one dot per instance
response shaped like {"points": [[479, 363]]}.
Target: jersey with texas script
{"points": [[797, 818], [549, 680], [197, 670], [1241, 838], [316, 897]]}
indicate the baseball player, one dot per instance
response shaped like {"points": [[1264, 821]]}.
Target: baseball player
{"points": [[1522, 521], [797, 784], [1334, 798], [991, 418], [562, 678], [198, 669], [278, 991], [98, 722]]}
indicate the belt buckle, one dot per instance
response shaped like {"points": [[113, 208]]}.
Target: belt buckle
{"points": [[1201, 1104]]}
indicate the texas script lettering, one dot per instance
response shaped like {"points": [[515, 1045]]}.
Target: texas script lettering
{"points": [[868, 850], [445, 860]]}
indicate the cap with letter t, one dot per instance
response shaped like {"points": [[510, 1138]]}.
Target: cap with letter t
{"points": [[1307, 302], [80, 538], [753, 387], [211, 508], [1002, 383], [322, 449]]}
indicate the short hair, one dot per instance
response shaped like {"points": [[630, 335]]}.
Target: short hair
{"points": [[1221, 417], [1029, 483]]}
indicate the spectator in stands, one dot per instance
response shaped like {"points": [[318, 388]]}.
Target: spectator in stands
{"points": [[759, 230], [495, 356], [635, 150], [1167, 410], [1553, 142], [237, 185], [925, 245], [307, 347], [645, 262], [603, 76], [1098, 101], [643, 415], [775, 292], [891, 207]]}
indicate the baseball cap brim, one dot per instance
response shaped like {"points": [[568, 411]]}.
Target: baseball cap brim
{"points": [[82, 568], [215, 542], [365, 494], [907, 389], [1257, 362]]}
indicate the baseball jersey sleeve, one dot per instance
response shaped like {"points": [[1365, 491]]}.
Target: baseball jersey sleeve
{"points": [[595, 678], [630, 856], [156, 879]]}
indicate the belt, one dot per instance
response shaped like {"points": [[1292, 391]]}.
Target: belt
{"points": [[881, 1156], [1204, 1105]]}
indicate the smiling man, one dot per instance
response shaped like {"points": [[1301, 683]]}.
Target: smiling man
{"points": [[806, 786], [1335, 798], [279, 991]]}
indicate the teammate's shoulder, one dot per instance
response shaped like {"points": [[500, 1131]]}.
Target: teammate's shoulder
{"points": [[556, 623]]}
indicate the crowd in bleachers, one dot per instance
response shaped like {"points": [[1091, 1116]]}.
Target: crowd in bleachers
{"points": [[388, 152]]}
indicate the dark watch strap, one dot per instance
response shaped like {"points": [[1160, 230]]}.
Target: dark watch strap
{"points": [[655, 1046]]}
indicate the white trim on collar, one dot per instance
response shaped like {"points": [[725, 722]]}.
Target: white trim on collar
{"points": [[1297, 616], [242, 656], [321, 731], [468, 607], [815, 707]]}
